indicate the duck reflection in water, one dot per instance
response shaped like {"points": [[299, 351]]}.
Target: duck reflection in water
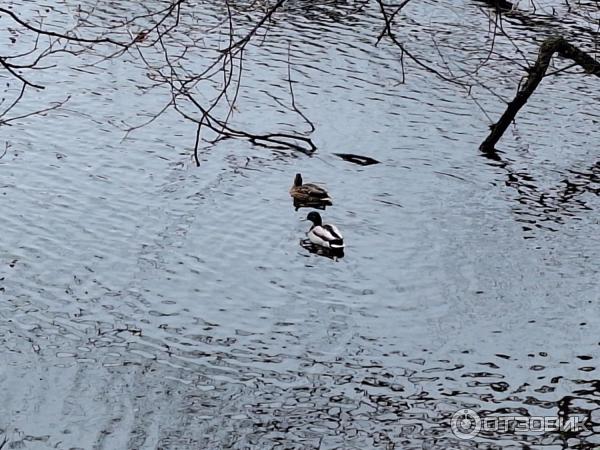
{"points": [[331, 253]]}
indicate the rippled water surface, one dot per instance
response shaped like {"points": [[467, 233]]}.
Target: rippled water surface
{"points": [[148, 303]]}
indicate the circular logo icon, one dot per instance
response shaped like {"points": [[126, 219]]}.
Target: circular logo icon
{"points": [[465, 424]]}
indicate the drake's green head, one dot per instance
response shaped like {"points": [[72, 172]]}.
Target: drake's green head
{"points": [[315, 218], [298, 180]]}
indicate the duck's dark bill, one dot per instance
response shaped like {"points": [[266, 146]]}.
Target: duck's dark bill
{"points": [[333, 253], [315, 205]]}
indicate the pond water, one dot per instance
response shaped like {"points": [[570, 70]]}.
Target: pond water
{"points": [[149, 303]]}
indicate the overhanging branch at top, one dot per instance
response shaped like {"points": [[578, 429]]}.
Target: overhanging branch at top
{"points": [[537, 72]]}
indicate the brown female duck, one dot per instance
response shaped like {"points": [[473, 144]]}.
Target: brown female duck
{"points": [[309, 194]]}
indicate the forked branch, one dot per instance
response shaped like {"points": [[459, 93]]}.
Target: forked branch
{"points": [[537, 72]]}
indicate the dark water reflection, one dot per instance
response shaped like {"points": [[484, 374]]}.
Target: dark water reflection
{"points": [[334, 254], [150, 304]]}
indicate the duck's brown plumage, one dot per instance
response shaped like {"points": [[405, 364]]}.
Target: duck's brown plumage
{"points": [[309, 193]]}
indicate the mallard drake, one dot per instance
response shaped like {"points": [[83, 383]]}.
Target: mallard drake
{"points": [[309, 193], [324, 235]]}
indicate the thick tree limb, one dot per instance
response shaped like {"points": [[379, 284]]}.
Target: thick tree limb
{"points": [[548, 48]]}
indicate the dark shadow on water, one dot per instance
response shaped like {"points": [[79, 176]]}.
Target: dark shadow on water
{"points": [[357, 159], [546, 207], [334, 254], [316, 205]]}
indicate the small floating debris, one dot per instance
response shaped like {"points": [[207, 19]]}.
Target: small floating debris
{"points": [[387, 202], [357, 159]]}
